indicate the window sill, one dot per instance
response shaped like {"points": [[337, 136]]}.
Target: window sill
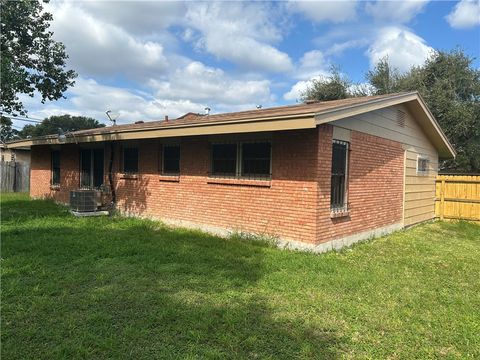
{"points": [[129, 176], [169, 178], [240, 182], [334, 214], [55, 187]]}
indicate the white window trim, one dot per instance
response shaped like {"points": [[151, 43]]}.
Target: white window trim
{"points": [[423, 172]]}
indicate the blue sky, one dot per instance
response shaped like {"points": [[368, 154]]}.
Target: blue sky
{"points": [[145, 60]]}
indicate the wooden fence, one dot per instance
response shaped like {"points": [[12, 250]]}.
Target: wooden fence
{"points": [[458, 197], [14, 176]]}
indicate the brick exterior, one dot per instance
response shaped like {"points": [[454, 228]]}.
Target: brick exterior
{"points": [[375, 185], [294, 205]]}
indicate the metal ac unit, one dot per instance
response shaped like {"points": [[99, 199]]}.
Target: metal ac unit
{"points": [[85, 200]]}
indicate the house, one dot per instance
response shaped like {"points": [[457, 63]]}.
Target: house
{"points": [[318, 175], [20, 155]]}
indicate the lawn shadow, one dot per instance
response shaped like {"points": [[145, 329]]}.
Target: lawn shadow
{"points": [[110, 287]]}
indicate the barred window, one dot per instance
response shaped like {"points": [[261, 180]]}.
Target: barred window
{"points": [[55, 167], [224, 159], [130, 160], [250, 159], [171, 159], [256, 159], [339, 175], [92, 168]]}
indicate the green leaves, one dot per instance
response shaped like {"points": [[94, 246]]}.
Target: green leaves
{"points": [[53, 123], [31, 59], [448, 82]]}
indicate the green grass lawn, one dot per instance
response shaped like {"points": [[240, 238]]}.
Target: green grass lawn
{"points": [[130, 288]]}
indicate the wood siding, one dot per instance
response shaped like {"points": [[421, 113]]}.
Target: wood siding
{"points": [[419, 189]]}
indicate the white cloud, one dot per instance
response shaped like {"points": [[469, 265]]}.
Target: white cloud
{"points": [[325, 11], [312, 63], [202, 83], [397, 11], [466, 14], [99, 48], [402, 47], [89, 98], [238, 32], [137, 17], [296, 91], [338, 48]]}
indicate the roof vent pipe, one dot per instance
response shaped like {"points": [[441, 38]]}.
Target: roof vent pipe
{"points": [[207, 111]]}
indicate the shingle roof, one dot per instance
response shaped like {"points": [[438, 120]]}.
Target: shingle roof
{"points": [[278, 111]]}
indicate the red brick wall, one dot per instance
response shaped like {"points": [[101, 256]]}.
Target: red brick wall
{"points": [[295, 204], [375, 185], [284, 206], [40, 172]]}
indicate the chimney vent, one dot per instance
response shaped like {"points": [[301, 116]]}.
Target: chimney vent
{"points": [[207, 111], [166, 118]]}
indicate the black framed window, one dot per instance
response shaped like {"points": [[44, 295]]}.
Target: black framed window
{"points": [[224, 159], [130, 160], [56, 167], [339, 175], [91, 168], [256, 159], [171, 159]]}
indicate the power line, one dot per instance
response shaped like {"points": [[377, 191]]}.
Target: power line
{"points": [[22, 118]]}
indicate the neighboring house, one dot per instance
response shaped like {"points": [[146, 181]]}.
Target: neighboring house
{"points": [[17, 155], [318, 175]]}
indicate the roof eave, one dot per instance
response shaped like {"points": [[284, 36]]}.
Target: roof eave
{"points": [[444, 147]]}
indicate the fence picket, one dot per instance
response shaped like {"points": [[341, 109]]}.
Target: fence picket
{"points": [[14, 176], [458, 197]]}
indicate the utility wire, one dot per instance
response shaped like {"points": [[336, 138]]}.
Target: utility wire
{"points": [[21, 118]]}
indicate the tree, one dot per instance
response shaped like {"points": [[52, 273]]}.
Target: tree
{"points": [[447, 81], [52, 125], [450, 86], [31, 60], [384, 78], [332, 87], [7, 132]]}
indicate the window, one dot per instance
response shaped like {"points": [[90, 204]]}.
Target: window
{"points": [[242, 159], [422, 165], [224, 159], [339, 175], [91, 168], [171, 159], [130, 160], [256, 159], [56, 167]]}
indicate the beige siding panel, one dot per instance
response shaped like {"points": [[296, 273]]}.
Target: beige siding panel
{"points": [[383, 123], [420, 203], [420, 180], [424, 186], [417, 219], [412, 196], [419, 188], [412, 164], [414, 212]]}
